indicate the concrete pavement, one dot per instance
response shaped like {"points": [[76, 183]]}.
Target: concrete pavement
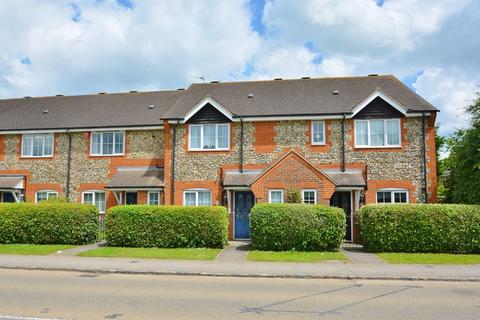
{"points": [[323, 270], [72, 295]]}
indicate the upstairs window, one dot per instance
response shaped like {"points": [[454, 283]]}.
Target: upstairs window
{"points": [[392, 196], [377, 133], [45, 195], [209, 137], [197, 198], [107, 143], [318, 132], [37, 145]]}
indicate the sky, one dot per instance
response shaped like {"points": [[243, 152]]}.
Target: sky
{"points": [[89, 46]]}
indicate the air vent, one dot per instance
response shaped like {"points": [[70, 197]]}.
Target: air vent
{"points": [[45, 111], [277, 79], [152, 106], [373, 75], [133, 91], [335, 92], [251, 95], [305, 78], [214, 81]]}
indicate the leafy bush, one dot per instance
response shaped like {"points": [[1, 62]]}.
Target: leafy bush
{"points": [[294, 196], [48, 223], [166, 226], [296, 227], [431, 228]]}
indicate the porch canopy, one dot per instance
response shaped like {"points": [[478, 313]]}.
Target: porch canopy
{"points": [[12, 184], [136, 179]]}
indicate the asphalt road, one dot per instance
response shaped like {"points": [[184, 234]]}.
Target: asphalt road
{"points": [[69, 295]]}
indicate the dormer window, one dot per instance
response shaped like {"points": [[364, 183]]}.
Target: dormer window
{"points": [[209, 137], [383, 133]]}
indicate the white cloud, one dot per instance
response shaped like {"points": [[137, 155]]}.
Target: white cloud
{"points": [[450, 92]]}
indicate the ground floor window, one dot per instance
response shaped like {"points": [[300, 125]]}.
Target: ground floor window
{"points": [[45, 195], [197, 198], [275, 196], [96, 198], [392, 196], [309, 196], [154, 198]]}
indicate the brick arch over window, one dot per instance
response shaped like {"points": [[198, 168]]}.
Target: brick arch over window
{"points": [[292, 171]]}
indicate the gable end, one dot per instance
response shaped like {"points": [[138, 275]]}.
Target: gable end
{"points": [[378, 109], [208, 114]]}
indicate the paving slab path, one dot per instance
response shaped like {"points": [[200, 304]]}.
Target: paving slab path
{"points": [[235, 252], [357, 254], [77, 250]]}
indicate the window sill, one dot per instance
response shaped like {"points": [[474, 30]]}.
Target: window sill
{"points": [[106, 155], [318, 144]]}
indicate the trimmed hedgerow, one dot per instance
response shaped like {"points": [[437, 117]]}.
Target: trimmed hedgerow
{"points": [[297, 227], [48, 223], [435, 228], [166, 226]]}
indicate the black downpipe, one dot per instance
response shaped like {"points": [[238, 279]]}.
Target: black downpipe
{"points": [[172, 181], [69, 166], [343, 144], [241, 145], [425, 182]]}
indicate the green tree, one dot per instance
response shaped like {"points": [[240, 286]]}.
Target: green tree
{"points": [[462, 166]]}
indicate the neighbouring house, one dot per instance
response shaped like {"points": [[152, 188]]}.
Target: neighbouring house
{"points": [[340, 141]]}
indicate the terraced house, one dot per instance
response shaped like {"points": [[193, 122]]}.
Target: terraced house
{"points": [[339, 141]]}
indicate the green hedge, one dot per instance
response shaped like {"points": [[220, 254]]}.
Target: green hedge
{"points": [[48, 223], [296, 227], [432, 228], [166, 226]]}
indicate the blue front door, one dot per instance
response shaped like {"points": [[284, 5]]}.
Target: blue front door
{"points": [[243, 204]]}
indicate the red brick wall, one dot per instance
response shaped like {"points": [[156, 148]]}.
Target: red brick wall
{"points": [[264, 136], [432, 163], [374, 185]]}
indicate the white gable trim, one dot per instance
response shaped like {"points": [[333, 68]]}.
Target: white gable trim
{"points": [[203, 103], [378, 93]]}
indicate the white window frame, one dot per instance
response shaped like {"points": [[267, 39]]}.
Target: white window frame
{"points": [[201, 137], [101, 144], [148, 198], [94, 192], [275, 190], [48, 192], [385, 137], [196, 191], [314, 195], [392, 195], [320, 143], [43, 149]]}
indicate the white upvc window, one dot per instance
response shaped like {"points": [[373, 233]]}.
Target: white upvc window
{"points": [[154, 198], [43, 195], [392, 196], [96, 198], [37, 145], [275, 196], [197, 198], [318, 132], [209, 136], [309, 196], [111, 143], [378, 133]]}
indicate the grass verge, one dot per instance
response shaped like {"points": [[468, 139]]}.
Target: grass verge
{"points": [[429, 258], [294, 256], [33, 249], [154, 253]]}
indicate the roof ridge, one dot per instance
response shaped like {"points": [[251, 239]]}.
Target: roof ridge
{"points": [[295, 79]]}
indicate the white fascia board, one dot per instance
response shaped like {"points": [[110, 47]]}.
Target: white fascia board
{"points": [[379, 93], [286, 118], [81, 130], [203, 103]]}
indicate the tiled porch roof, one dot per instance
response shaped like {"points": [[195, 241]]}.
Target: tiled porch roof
{"points": [[137, 178], [11, 182]]}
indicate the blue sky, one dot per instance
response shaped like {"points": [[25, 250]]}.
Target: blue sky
{"points": [[87, 46]]}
